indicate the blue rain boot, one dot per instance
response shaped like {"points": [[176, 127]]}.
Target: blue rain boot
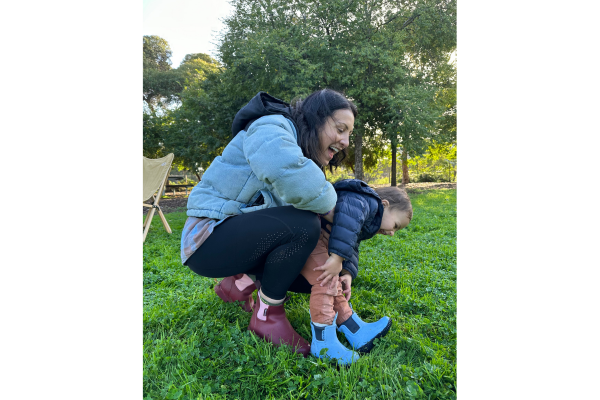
{"points": [[325, 337], [360, 334]]}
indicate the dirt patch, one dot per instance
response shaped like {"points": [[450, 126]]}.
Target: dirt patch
{"points": [[423, 186], [178, 202]]}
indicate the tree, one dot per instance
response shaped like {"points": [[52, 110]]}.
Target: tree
{"points": [[362, 48], [160, 83], [411, 117], [163, 84], [370, 50], [196, 66], [427, 118], [198, 56], [201, 127], [161, 88], [153, 135], [157, 53], [373, 148], [163, 93]]}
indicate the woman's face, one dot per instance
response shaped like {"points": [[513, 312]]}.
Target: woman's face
{"points": [[335, 134]]}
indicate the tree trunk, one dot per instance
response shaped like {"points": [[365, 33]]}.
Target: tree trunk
{"points": [[358, 159], [405, 178], [394, 151]]}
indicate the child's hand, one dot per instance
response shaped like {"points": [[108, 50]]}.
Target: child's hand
{"points": [[346, 281], [329, 216], [331, 269]]}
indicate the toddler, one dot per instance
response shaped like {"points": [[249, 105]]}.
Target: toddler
{"points": [[359, 214]]}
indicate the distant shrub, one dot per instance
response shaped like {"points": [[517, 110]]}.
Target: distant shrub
{"points": [[427, 178], [181, 182], [339, 174]]}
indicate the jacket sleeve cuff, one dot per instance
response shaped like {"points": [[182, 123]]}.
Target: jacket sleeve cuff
{"points": [[346, 265], [345, 257]]}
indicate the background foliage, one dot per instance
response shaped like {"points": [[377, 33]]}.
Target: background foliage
{"points": [[392, 59]]}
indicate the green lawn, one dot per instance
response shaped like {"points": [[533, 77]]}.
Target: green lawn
{"points": [[197, 347]]}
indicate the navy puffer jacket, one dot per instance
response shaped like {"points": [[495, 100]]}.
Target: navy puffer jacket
{"points": [[358, 214]]}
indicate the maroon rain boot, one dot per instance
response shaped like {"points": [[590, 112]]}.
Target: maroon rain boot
{"points": [[229, 293], [271, 324]]}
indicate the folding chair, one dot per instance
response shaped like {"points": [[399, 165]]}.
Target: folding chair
{"points": [[156, 174]]}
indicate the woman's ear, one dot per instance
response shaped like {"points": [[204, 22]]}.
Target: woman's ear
{"points": [[386, 203]]}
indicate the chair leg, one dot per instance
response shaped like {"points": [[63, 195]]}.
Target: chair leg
{"points": [[148, 222], [146, 218], [164, 220]]}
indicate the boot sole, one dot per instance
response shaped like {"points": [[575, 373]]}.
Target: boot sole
{"points": [[365, 348]]}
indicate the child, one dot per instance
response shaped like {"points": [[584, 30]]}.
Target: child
{"points": [[360, 213]]}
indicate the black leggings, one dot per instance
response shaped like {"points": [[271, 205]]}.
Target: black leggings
{"points": [[273, 244]]}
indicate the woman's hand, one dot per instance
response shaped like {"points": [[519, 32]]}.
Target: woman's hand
{"points": [[331, 269], [346, 280]]}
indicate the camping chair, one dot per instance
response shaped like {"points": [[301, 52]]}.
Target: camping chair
{"points": [[156, 174]]}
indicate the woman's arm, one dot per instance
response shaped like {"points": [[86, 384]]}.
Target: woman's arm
{"points": [[271, 151]]}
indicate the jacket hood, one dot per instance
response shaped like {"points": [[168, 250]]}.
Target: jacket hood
{"points": [[356, 186], [260, 105]]}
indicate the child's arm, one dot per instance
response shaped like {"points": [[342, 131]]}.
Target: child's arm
{"points": [[329, 216], [348, 221]]}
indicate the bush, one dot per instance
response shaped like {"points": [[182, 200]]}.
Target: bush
{"points": [[437, 164], [181, 182], [427, 178], [339, 174]]}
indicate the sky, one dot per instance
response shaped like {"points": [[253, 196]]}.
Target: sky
{"points": [[190, 26]]}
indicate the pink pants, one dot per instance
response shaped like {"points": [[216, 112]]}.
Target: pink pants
{"points": [[324, 302]]}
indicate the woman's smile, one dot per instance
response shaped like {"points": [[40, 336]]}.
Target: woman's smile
{"points": [[332, 151]]}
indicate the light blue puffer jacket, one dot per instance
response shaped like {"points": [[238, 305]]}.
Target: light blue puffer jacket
{"points": [[265, 160]]}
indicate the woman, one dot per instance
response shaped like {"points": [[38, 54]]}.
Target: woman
{"points": [[254, 212]]}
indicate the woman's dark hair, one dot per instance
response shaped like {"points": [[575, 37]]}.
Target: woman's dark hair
{"points": [[311, 114]]}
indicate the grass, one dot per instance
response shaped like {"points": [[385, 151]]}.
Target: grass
{"points": [[197, 347]]}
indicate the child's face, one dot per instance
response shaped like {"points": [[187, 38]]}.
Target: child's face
{"points": [[393, 220]]}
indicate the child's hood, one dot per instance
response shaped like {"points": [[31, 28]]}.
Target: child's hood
{"points": [[375, 211]]}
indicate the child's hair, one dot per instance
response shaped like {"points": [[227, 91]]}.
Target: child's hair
{"points": [[397, 197]]}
